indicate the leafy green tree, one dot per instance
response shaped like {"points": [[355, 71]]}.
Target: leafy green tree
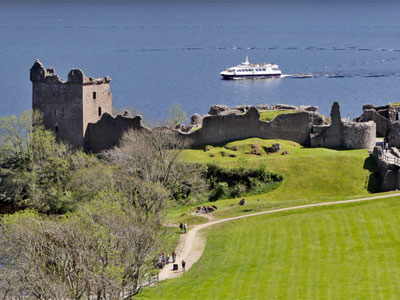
{"points": [[34, 167], [176, 116]]}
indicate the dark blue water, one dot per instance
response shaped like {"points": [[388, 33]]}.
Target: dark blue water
{"points": [[161, 53]]}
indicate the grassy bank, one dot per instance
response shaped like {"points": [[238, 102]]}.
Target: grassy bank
{"points": [[310, 175], [346, 251]]}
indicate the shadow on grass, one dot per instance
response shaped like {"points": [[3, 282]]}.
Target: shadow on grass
{"points": [[372, 181]]}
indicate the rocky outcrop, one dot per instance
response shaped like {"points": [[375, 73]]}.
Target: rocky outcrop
{"points": [[274, 148], [216, 110], [196, 120]]}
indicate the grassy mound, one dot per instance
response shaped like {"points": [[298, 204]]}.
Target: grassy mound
{"points": [[310, 174], [268, 115], [346, 251]]}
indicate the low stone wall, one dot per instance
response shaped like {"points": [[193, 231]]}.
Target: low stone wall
{"points": [[106, 133], [225, 128]]}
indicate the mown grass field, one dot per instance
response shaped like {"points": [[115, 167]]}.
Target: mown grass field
{"points": [[310, 175], [348, 251]]}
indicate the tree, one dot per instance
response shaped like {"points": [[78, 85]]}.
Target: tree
{"points": [[107, 249], [34, 168], [150, 155], [176, 116]]}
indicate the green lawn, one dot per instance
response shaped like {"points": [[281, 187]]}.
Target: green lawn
{"points": [[268, 115], [310, 175], [349, 251]]}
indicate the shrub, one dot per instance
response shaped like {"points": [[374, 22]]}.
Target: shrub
{"points": [[236, 182]]}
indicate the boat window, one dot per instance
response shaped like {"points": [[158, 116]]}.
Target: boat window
{"points": [[264, 69], [275, 69]]}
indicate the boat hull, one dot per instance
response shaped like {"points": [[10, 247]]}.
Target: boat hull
{"points": [[226, 76]]}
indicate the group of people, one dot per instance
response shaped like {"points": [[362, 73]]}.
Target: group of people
{"points": [[164, 259], [183, 227]]}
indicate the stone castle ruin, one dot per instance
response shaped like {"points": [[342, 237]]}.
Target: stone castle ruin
{"points": [[344, 133], [79, 111], [70, 108], [386, 119]]}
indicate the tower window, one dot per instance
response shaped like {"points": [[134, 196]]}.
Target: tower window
{"points": [[56, 128], [94, 95], [99, 111]]}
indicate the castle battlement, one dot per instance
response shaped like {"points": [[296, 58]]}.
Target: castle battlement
{"points": [[39, 73], [69, 106]]}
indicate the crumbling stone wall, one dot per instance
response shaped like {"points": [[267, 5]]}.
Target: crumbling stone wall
{"points": [[393, 135], [224, 128], [68, 107], [351, 135], [383, 116], [388, 172], [106, 133]]}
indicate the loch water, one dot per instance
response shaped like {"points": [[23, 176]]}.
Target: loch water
{"points": [[159, 53]]}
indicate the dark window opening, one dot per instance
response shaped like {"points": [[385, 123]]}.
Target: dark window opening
{"points": [[99, 111], [94, 95], [56, 128]]}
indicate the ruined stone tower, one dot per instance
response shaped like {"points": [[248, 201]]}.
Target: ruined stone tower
{"points": [[68, 107]]}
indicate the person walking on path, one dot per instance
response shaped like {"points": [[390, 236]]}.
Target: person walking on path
{"points": [[181, 226], [183, 265], [173, 257], [185, 227], [386, 147]]}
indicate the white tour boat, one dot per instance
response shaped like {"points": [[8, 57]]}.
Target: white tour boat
{"points": [[248, 70]]}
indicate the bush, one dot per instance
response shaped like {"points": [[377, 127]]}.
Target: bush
{"points": [[220, 191], [235, 182]]}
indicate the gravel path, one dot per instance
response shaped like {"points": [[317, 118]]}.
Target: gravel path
{"points": [[191, 245]]}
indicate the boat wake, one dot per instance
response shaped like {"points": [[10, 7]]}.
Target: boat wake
{"points": [[343, 75]]}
